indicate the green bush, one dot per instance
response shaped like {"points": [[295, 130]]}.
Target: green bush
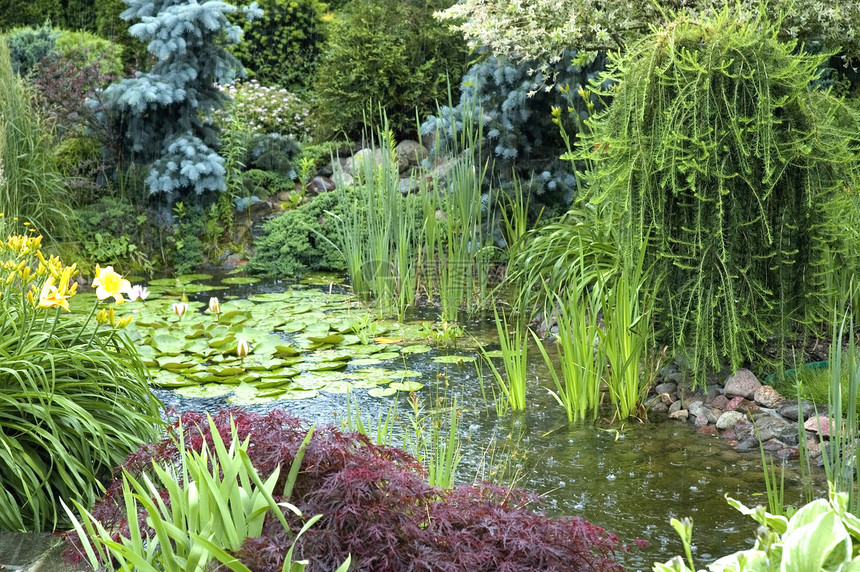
{"points": [[282, 47], [739, 176], [75, 398], [297, 242], [390, 55], [109, 25], [85, 49], [113, 229], [27, 46], [263, 184]]}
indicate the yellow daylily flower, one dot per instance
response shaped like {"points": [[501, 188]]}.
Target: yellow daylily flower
{"points": [[51, 297], [110, 284]]}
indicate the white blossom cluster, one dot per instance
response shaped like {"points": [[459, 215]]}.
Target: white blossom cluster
{"points": [[540, 30], [262, 109]]}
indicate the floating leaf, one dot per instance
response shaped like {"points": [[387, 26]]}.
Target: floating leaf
{"points": [[204, 391], [386, 341], [406, 385], [417, 349], [454, 359], [330, 339], [381, 391], [240, 280]]}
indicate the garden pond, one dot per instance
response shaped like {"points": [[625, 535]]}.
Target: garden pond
{"points": [[319, 354]]}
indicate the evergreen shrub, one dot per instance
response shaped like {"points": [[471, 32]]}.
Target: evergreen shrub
{"points": [[740, 178], [282, 48], [27, 46], [86, 48], [386, 55], [300, 241], [514, 103]]}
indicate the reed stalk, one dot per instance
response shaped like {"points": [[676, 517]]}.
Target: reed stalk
{"points": [[513, 345]]}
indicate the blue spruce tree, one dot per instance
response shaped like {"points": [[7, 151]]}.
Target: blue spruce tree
{"points": [[164, 113]]}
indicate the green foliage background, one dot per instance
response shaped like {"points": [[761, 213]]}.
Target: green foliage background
{"points": [[386, 54], [741, 179], [282, 47]]}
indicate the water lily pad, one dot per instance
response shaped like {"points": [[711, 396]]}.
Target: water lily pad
{"points": [[381, 391], [168, 344], [247, 394], [416, 349], [240, 280], [406, 385], [329, 339], [387, 341], [454, 359], [365, 361], [386, 355], [300, 394], [325, 366], [286, 351], [185, 278], [494, 354], [205, 390]]}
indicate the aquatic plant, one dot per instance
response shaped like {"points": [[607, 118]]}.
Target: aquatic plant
{"points": [[378, 507], [513, 346]]}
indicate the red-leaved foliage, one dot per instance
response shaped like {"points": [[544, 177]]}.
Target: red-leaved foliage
{"points": [[377, 507]]}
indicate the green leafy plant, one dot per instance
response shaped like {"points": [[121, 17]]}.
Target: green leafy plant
{"points": [[580, 358], [263, 109], [31, 186], [386, 54], [514, 348], [743, 219], [282, 47], [62, 381], [215, 501], [821, 535]]}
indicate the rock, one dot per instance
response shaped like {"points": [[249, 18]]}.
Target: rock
{"points": [[343, 179], [659, 407], [353, 165], [410, 154], [769, 426], [789, 436], [695, 408], [666, 398], [747, 445], [675, 406], [772, 445], [742, 384], [788, 453], [675, 377], [728, 419], [667, 388], [742, 405], [409, 185], [813, 448], [707, 430], [789, 409], [744, 430], [232, 261], [713, 392], [767, 396], [681, 414], [729, 435], [820, 424], [712, 413], [701, 420], [320, 185], [720, 402]]}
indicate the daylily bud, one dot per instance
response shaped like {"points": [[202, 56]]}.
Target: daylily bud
{"points": [[102, 318], [214, 305], [112, 317], [180, 308], [124, 322], [242, 348]]}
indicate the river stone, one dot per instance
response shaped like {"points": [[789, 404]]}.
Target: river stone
{"points": [[788, 453], [701, 420], [769, 426], [681, 414], [789, 409], [667, 388], [789, 436], [343, 179], [767, 396], [352, 166], [675, 377], [712, 394], [676, 406], [659, 407], [695, 408], [772, 445], [743, 384], [819, 424], [742, 405], [720, 401], [320, 184], [813, 448], [743, 429], [410, 154], [728, 419], [712, 413], [707, 430], [747, 445]]}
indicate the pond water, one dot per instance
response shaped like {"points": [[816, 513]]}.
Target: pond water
{"points": [[629, 478]]}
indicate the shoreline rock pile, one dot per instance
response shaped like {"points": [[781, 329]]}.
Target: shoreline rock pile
{"points": [[739, 409]]}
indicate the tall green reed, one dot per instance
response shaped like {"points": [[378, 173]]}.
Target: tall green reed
{"points": [[31, 186], [581, 360], [513, 344]]}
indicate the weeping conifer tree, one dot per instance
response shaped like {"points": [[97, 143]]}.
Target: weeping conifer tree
{"points": [[720, 156]]}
